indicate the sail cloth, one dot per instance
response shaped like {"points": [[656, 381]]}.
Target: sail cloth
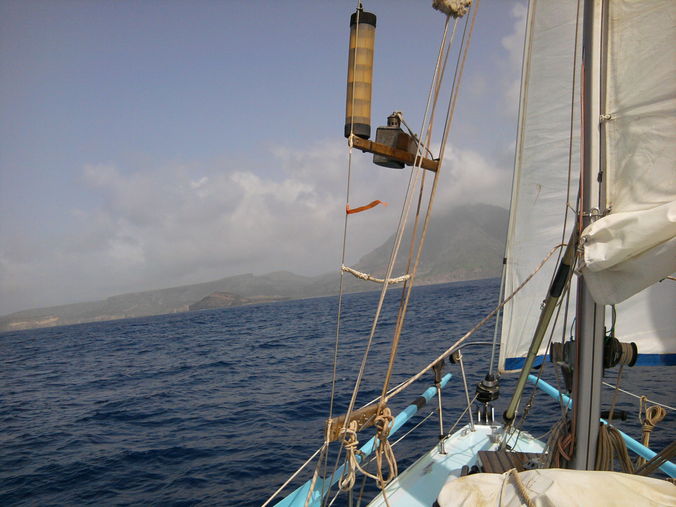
{"points": [[540, 190], [640, 175], [634, 245], [563, 488]]}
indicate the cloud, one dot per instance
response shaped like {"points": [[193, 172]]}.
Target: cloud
{"points": [[178, 224], [513, 44], [472, 177]]}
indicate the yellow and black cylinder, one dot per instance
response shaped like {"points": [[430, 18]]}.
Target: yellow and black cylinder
{"points": [[360, 74]]}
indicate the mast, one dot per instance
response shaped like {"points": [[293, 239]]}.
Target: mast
{"points": [[589, 315]]}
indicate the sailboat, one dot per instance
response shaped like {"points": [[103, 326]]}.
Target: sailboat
{"points": [[587, 284]]}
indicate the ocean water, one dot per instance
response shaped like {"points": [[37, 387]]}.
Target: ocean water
{"points": [[219, 407]]}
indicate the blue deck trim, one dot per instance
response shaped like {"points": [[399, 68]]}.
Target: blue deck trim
{"points": [[516, 363], [668, 467], [298, 496]]}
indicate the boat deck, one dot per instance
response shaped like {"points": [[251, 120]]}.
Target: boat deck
{"points": [[498, 462], [420, 484]]}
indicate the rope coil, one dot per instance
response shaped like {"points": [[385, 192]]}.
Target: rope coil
{"points": [[653, 415], [383, 424], [610, 441]]}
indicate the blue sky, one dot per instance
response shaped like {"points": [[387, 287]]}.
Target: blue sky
{"points": [[147, 143]]}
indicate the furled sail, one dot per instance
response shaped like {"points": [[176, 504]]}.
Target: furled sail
{"points": [[634, 245]]}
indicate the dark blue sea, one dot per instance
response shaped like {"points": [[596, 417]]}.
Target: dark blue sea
{"points": [[219, 407]]}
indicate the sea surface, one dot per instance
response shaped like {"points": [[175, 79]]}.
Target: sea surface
{"points": [[219, 407]]}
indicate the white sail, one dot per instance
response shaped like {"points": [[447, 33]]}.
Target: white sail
{"points": [[540, 196], [633, 246]]}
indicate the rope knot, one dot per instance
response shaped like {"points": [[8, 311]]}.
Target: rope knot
{"points": [[383, 423], [455, 8], [350, 443]]}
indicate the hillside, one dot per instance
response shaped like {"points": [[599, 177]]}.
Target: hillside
{"points": [[464, 244]]}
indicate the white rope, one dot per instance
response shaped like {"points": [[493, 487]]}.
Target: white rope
{"points": [[637, 396], [406, 293], [415, 174], [366, 276]]}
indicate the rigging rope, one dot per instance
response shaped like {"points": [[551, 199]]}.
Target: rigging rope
{"points": [[431, 106], [469, 333], [324, 463], [455, 88], [639, 397], [365, 276], [383, 424], [293, 476], [400, 231]]}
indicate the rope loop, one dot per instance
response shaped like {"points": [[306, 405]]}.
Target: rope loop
{"points": [[350, 443], [653, 415], [383, 424]]}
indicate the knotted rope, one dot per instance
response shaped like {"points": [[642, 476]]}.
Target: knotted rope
{"points": [[366, 276], [383, 423], [455, 8], [350, 443], [653, 415]]}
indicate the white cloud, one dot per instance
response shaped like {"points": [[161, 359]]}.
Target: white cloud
{"points": [[184, 224], [513, 44], [471, 177]]}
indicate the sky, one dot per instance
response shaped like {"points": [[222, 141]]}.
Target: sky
{"points": [[148, 144]]}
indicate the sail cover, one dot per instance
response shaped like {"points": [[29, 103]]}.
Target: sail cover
{"points": [[641, 181], [634, 245]]}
